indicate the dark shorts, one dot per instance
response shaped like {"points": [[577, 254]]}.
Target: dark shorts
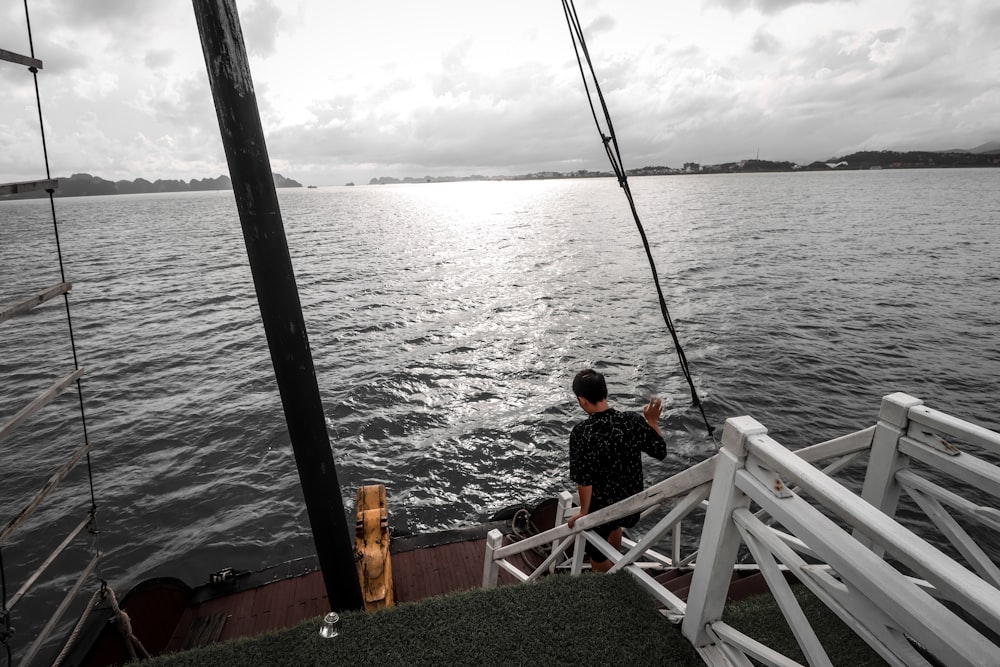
{"points": [[604, 530]]}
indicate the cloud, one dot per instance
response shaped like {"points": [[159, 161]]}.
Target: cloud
{"points": [[471, 127], [764, 42], [431, 92], [793, 100], [765, 6], [20, 137], [261, 25], [178, 103], [83, 13], [159, 58], [602, 24], [509, 119], [985, 16], [89, 147]]}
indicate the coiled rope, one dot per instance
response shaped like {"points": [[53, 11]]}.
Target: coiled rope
{"points": [[610, 142], [522, 527]]}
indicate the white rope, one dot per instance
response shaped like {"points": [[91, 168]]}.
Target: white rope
{"points": [[91, 604], [121, 619], [125, 625]]}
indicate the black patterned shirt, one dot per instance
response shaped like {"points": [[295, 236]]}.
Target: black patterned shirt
{"points": [[605, 453]]}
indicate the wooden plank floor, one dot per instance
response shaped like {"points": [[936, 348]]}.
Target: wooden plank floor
{"points": [[272, 606], [422, 573], [417, 574]]}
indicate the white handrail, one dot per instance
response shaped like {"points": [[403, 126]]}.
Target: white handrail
{"points": [[954, 427], [887, 608], [884, 606], [657, 495]]}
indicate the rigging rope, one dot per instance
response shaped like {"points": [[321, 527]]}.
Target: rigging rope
{"points": [[610, 142], [122, 620], [62, 269], [5, 629]]}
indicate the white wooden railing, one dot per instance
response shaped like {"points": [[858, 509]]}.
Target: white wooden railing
{"points": [[847, 549]]}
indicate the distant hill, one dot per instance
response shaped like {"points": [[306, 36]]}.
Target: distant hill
{"points": [[985, 155], [917, 159], [83, 185], [991, 147]]}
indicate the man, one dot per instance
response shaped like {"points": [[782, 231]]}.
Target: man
{"points": [[605, 457]]}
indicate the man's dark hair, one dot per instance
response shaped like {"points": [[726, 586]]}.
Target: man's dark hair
{"points": [[590, 385]]}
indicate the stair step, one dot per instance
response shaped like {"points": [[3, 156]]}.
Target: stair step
{"points": [[740, 586]]}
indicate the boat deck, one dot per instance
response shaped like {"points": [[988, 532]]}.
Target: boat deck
{"points": [[419, 572], [169, 616]]}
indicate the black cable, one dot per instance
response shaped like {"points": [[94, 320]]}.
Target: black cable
{"points": [[62, 276], [62, 270], [610, 142]]}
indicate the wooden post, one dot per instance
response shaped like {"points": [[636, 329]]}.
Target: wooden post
{"points": [[880, 487], [372, 544], [720, 538], [277, 294]]}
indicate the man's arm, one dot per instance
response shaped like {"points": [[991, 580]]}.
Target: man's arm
{"points": [[586, 492]]}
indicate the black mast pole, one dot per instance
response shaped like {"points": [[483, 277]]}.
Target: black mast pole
{"points": [[277, 294]]}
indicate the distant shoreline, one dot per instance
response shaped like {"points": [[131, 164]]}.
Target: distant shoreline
{"points": [[81, 185], [854, 162], [646, 171], [85, 185]]}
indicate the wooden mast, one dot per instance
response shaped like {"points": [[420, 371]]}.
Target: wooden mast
{"points": [[277, 294]]}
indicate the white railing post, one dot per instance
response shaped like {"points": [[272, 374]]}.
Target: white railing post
{"points": [[579, 546], [491, 569], [880, 486], [562, 510], [675, 545], [720, 538]]}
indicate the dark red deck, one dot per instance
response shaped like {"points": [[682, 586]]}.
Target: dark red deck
{"points": [[169, 616], [418, 573]]}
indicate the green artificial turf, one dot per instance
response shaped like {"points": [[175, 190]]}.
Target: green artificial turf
{"points": [[561, 620], [761, 618]]}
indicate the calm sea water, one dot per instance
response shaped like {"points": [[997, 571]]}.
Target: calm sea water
{"points": [[446, 322]]}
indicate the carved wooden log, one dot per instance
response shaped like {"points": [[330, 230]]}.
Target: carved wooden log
{"points": [[372, 547]]}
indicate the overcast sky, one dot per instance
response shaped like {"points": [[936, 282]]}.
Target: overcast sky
{"points": [[348, 91]]}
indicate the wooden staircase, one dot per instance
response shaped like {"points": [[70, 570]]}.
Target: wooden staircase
{"points": [[742, 584]]}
